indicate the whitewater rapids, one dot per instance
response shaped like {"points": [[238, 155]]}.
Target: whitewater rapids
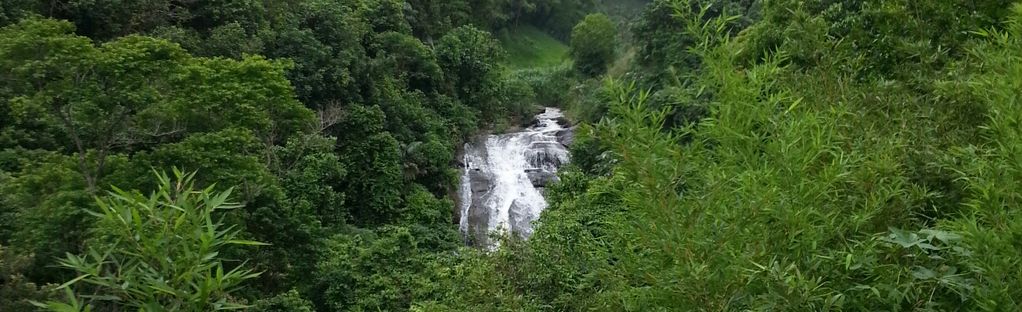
{"points": [[504, 176]]}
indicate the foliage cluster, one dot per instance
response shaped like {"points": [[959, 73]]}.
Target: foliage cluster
{"points": [[157, 253], [335, 122], [787, 156], [594, 44], [759, 155]]}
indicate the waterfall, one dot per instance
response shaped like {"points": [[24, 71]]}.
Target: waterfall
{"points": [[504, 176]]}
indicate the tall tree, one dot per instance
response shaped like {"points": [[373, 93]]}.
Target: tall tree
{"points": [[470, 58], [137, 91], [96, 95], [594, 44]]}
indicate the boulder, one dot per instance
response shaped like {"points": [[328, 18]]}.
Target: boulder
{"points": [[546, 158], [478, 221], [566, 137], [542, 178], [479, 181], [519, 219], [564, 122]]}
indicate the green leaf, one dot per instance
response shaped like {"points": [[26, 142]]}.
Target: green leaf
{"points": [[246, 242], [922, 273], [943, 236], [72, 281]]}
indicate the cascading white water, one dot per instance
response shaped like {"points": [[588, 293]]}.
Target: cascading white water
{"points": [[503, 178]]}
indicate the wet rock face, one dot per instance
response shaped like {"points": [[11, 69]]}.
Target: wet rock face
{"points": [[541, 178], [518, 219], [546, 155], [480, 184], [566, 136], [563, 122], [504, 176]]}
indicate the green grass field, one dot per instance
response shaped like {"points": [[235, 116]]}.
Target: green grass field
{"points": [[530, 47]]}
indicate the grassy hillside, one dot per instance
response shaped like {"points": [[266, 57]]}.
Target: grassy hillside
{"points": [[530, 47]]}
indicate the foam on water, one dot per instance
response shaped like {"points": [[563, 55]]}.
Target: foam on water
{"points": [[509, 165]]}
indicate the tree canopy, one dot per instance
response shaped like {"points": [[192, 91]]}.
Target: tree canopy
{"points": [[732, 155], [328, 120], [594, 44]]}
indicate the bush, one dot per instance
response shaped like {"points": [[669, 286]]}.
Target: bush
{"points": [[813, 180], [290, 301], [594, 44], [157, 253]]}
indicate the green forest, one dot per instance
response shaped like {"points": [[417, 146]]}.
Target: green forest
{"points": [[303, 155]]}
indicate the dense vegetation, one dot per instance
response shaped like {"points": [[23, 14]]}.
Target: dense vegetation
{"points": [[334, 124], [593, 44], [731, 155], [786, 156]]}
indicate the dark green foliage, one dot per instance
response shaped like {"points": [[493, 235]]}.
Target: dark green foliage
{"points": [[13, 10], [589, 101], [407, 118], [290, 301], [833, 156], [324, 40], [469, 58], [157, 253], [408, 59], [231, 40], [110, 19], [136, 91], [314, 64], [556, 17], [594, 44], [278, 205], [374, 179], [589, 154], [382, 270], [334, 122], [253, 95], [312, 175], [461, 119], [62, 87], [388, 16], [373, 159], [548, 85], [46, 200], [772, 155], [236, 121], [661, 39], [433, 19], [562, 15], [15, 290], [230, 156]]}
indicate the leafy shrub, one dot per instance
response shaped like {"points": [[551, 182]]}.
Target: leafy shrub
{"points": [[157, 253], [815, 179], [290, 301], [594, 44]]}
